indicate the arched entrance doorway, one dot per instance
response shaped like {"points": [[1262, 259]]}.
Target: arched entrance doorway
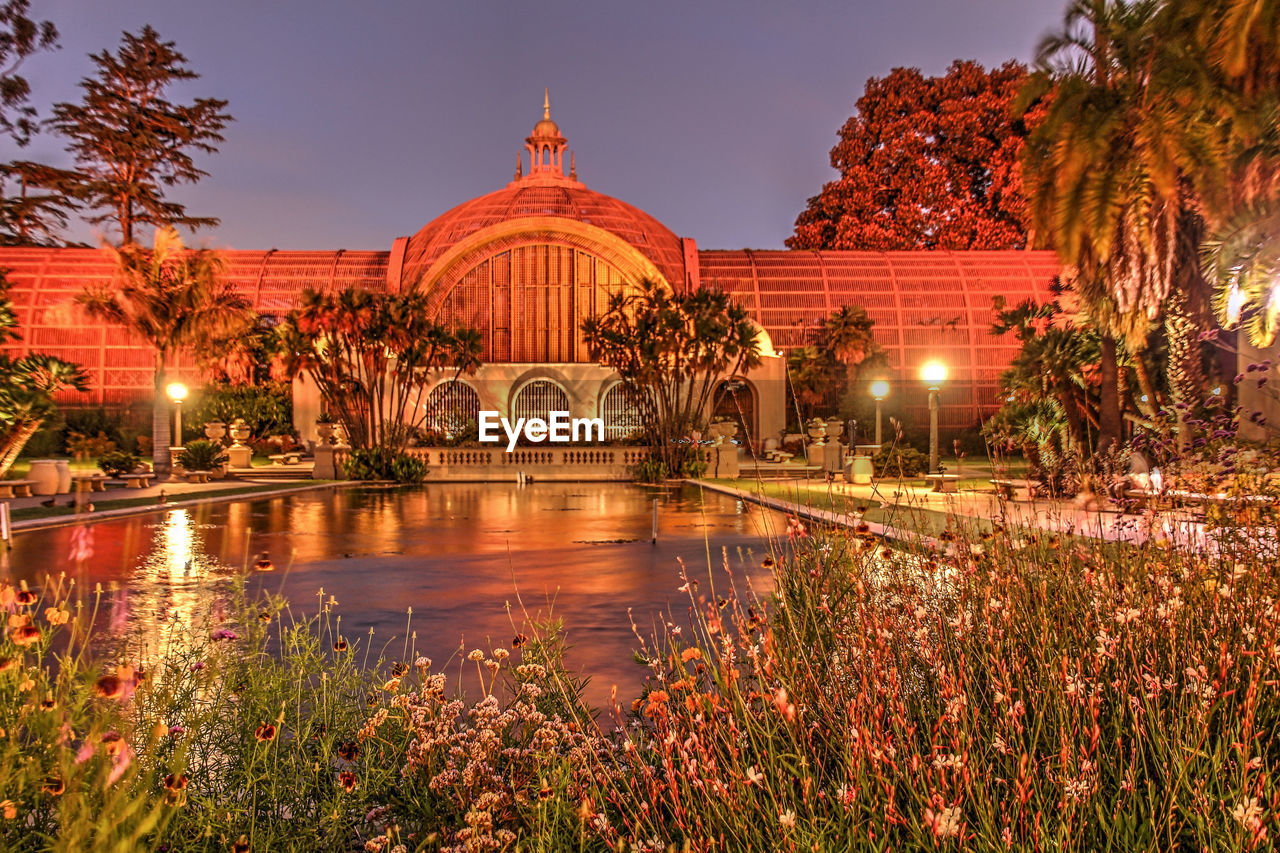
{"points": [[622, 413], [735, 400], [453, 408]]}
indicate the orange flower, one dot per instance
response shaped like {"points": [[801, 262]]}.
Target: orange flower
{"points": [[691, 654], [56, 616], [347, 780], [53, 786], [175, 783], [348, 751], [24, 597], [25, 635], [265, 732], [241, 845], [9, 809], [340, 645], [7, 664], [108, 687]]}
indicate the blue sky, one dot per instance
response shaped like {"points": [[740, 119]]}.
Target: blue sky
{"points": [[358, 122]]}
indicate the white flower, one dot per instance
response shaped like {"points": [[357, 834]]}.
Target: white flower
{"points": [[754, 776], [787, 818]]}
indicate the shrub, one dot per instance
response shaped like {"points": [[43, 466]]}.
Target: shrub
{"points": [[900, 460], [83, 446], [376, 463], [267, 409], [650, 469], [118, 462], [202, 455], [91, 422]]}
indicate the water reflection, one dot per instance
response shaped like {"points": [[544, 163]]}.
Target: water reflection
{"points": [[457, 554]]}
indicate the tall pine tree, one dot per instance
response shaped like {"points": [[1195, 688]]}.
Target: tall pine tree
{"points": [[43, 199], [131, 143]]}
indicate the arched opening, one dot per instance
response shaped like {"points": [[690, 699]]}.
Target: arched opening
{"points": [[622, 412], [735, 400], [453, 409], [538, 398]]}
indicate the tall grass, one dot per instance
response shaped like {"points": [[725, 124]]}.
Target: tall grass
{"points": [[1002, 689]]}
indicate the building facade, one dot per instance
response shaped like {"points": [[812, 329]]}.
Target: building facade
{"points": [[525, 264]]}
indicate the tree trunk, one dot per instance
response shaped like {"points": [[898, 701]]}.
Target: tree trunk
{"points": [[1186, 313], [1109, 419], [13, 441], [160, 438]]}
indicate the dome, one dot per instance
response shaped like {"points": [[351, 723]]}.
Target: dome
{"points": [[546, 128], [561, 199]]}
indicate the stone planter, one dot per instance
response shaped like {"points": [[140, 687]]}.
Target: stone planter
{"points": [[818, 433], [325, 431], [43, 476], [835, 427], [239, 432], [215, 430]]}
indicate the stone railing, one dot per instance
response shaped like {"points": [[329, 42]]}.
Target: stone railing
{"points": [[541, 463]]}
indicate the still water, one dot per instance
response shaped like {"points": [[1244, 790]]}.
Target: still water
{"points": [[455, 553]]}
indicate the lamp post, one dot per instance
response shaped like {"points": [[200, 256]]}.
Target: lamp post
{"points": [[177, 393], [934, 373], [879, 390]]}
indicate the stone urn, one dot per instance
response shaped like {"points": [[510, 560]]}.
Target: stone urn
{"points": [[817, 431], [239, 432], [43, 475], [722, 430], [835, 427], [325, 430], [215, 430]]}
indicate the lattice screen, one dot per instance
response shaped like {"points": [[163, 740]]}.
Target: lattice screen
{"points": [[452, 407], [620, 410], [537, 398]]}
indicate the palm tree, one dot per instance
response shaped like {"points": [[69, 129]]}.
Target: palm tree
{"points": [[1110, 175], [175, 300]]}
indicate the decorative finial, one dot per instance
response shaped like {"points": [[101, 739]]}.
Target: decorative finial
{"points": [[519, 166], [546, 102], [573, 166]]}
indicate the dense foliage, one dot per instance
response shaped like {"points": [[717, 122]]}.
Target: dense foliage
{"points": [[378, 463], [20, 37], [267, 408], [671, 350], [373, 355], [28, 384], [840, 351], [176, 300], [926, 163], [202, 455]]}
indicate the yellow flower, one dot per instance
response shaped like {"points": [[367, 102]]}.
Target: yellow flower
{"points": [[56, 616], [8, 809]]}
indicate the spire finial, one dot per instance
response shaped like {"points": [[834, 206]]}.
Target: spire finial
{"points": [[546, 102], [573, 166], [519, 166]]}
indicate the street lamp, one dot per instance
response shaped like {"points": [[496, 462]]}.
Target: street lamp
{"points": [[879, 390], [177, 393], [934, 373]]}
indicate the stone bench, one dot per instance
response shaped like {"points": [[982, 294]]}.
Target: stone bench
{"points": [[16, 488], [196, 476], [92, 482], [285, 458], [949, 483], [137, 481], [1008, 489]]}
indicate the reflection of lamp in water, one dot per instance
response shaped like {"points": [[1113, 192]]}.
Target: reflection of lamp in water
{"points": [[934, 373], [879, 390]]}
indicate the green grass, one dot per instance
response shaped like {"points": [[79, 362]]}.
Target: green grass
{"points": [[126, 503]]}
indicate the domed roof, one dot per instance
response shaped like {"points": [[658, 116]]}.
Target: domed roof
{"points": [[530, 197]]}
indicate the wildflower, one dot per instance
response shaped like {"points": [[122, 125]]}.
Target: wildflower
{"points": [[348, 751], [225, 634], [398, 669], [108, 687], [787, 818], [691, 654], [518, 640], [241, 845], [1125, 616], [265, 732], [475, 655], [944, 824], [175, 783], [56, 616], [768, 562], [25, 635], [754, 776], [501, 655], [53, 786], [7, 664], [24, 597], [1248, 814], [8, 809], [340, 645], [347, 780]]}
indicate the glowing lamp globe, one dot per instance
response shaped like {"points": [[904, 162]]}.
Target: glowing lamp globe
{"points": [[177, 391], [934, 373], [879, 389]]}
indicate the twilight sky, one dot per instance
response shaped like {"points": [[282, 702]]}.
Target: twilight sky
{"points": [[358, 122]]}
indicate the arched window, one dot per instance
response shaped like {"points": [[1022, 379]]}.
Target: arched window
{"points": [[735, 400], [453, 408], [621, 411], [537, 398]]}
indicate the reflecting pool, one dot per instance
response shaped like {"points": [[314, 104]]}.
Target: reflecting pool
{"points": [[455, 553]]}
